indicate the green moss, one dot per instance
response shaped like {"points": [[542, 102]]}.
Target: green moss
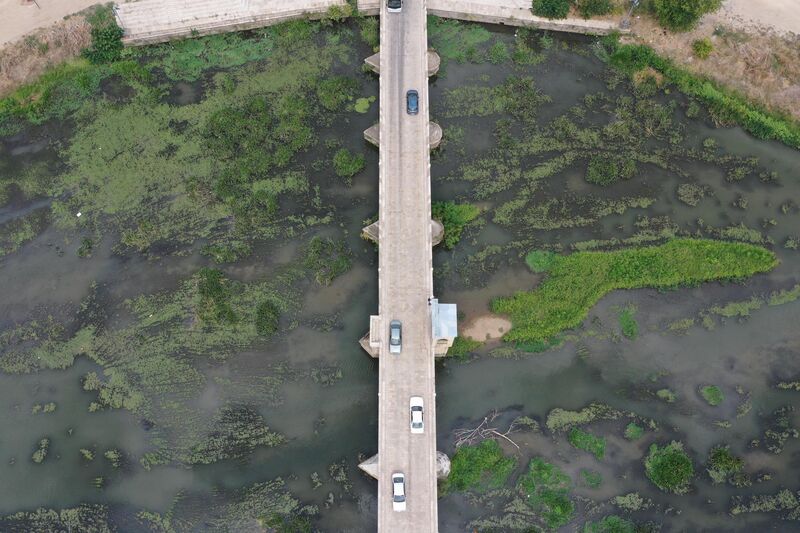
{"points": [[633, 431], [669, 468], [712, 394], [453, 217], [545, 488], [587, 442], [478, 468], [576, 282], [627, 322]]}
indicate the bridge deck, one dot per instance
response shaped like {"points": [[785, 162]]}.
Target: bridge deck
{"points": [[405, 274]]}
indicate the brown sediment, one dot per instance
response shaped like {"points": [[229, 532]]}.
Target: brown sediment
{"points": [[486, 327]]}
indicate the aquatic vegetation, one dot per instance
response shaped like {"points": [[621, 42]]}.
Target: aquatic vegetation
{"points": [[780, 429], [633, 431], [627, 322], [666, 395], [455, 40], [327, 258], [632, 502], [669, 467], [87, 454], [335, 92], [737, 309], [591, 478], [785, 502], [783, 296], [362, 104], [562, 419], [41, 451], [611, 524], [722, 464], [587, 442], [85, 517], [606, 170], [236, 431], [545, 488], [712, 394], [346, 164], [478, 468], [691, 193], [114, 457], [369, 31], [453, 217], [576, 282]]}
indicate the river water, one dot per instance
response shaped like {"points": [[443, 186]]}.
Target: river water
{"points": [[325, 424]]}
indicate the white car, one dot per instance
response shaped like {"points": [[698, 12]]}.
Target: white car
{"points": [[417, 424], [398, 491]]}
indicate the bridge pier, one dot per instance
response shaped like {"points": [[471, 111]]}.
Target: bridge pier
{"points": [[370, 466], [371, 341], [373, 135], [371, 232], [434, 62]]}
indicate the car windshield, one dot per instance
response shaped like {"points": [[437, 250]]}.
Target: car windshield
{"points": [[395, 334]]}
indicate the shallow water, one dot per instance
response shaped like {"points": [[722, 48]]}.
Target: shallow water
{"points": [[325, 424]]}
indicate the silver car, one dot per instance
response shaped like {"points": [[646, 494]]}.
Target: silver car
{"points": [[398, 492], [417, 424], [395, 336]]}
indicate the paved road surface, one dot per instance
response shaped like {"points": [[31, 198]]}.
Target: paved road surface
{"points": [[405, 274]]}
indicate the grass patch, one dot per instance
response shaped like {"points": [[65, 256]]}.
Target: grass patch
{"points": [[577, 281], [611, 524], [627, 322], [712, 394], [722, 464], [670, 468], [347, 164], [546, 490], [462, 347], [453, 217], [540, 260], [726, 105], [327, 258], [478, 468], [587, 442], [456, 40]]}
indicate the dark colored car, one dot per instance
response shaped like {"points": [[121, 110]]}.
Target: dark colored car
{"points": [[394, 6], [412, 102]]}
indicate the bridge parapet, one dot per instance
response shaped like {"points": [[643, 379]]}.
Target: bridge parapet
{"points": [[373, 135], [372, 231], [371, 342], [434, 62]]}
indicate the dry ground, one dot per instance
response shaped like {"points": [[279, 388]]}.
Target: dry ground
{"points": [[763, 64]]}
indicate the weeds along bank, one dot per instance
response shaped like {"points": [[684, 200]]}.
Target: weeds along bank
{"points": [[206, 301]]}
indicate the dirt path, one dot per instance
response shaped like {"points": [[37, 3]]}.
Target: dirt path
{"points": [[20, 17], [780, 15]]}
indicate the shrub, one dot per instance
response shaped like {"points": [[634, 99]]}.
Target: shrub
{"points": [[712, 394], [462, 347], [702, 48], [552, 9], [478, 467], [106, 37], [591, 8], [670, 468], [682, 15]]}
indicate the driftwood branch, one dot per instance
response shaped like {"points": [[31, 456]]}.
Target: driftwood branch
{"points": [[483, 431]]}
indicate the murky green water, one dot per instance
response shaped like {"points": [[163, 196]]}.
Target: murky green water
{"points": [[314, 385]]}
